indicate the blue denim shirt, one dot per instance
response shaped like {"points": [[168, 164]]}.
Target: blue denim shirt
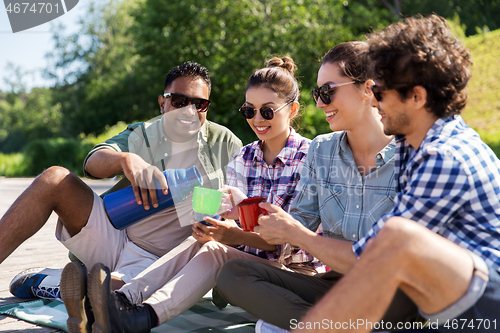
{"points": [[332, 192]]}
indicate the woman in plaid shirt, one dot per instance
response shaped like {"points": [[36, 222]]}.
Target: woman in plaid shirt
{"points": [[269, 167]]}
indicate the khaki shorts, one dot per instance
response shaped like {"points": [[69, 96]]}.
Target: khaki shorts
{"points": [[100, 242]]}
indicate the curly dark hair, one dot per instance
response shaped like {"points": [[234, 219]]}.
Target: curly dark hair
{"points": [[188, 69], [422, 51]]}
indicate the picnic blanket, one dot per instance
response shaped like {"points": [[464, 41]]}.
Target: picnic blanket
{"points": [[202, 317]]}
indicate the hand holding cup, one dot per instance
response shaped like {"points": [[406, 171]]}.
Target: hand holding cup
{"points": [[249, 212]]}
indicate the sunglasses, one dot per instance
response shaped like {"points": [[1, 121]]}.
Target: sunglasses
{"points": [[265, 111], [378, 89], [179, 101], [326, 91]]}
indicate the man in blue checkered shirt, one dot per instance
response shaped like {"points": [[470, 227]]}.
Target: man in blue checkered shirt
{"points": [[440, 245]]}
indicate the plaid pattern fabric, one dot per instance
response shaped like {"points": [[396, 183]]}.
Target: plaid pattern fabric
{"points": [[333, 194], [451, 185], [276, 182]]}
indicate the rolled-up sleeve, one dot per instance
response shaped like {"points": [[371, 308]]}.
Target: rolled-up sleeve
{"points": [[117, 143]]}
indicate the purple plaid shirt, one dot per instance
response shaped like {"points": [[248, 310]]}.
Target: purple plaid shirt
{"points": [[276, 182]]}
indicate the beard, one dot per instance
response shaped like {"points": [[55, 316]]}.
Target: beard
{"points": [[395, 124]]}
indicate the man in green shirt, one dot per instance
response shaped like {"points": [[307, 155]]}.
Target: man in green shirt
{"points": [[180, 138]]}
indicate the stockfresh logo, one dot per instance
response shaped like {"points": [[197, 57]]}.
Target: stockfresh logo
{"points": [[26, 14]]}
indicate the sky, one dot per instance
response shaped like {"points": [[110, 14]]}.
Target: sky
{"points": [[26, 49]]}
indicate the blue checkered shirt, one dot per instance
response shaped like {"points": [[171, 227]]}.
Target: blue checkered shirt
{"points": [[451, 185], [276, 182]]}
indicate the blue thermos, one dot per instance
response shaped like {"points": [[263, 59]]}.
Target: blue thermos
{"points": [[123, 210]]}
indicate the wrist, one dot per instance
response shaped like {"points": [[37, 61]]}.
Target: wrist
{"points": [[301, 237], [239, 236], [123, 158]]}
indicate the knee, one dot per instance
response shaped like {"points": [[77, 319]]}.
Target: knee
{"points": [[397, 237], [54, 175], [214, 252], [229, 273], [212, 246], [228, 281]]}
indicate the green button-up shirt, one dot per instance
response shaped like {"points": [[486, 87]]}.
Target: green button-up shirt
{"points": [[217, 145]]}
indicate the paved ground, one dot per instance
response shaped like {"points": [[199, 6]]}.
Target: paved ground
{"points": [[42, 250]]}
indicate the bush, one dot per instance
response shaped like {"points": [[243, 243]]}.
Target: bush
{"points": [[110, 131], [12, 165], [69, 153], [39, 155]]}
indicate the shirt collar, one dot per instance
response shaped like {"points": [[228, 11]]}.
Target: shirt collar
{"points": [[386, 153], [258, 156], [432, 133], [286, 155], [437, 128], [344, 146], [203, 133]]}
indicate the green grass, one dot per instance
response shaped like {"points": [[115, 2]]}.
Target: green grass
{"points": [[483, 107]]}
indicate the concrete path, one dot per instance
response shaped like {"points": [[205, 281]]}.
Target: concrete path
{"points": [[42, 250]]}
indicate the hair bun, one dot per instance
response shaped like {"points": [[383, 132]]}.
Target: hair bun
{"points": [[285, 63]]}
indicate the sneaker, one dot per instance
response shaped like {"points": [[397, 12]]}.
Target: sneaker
{"points": [[264, 327], [112, 309], [74, 295], [37, 283]]}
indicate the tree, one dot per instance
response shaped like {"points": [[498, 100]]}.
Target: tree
{"points": [[132, 44], [97, 81], [232, 41], [25, 116], [473, 14]]}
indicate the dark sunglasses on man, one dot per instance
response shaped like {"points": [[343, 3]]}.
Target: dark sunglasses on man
{"points": [[326, 91], [179, 101], [377, 90], [265, 111]]}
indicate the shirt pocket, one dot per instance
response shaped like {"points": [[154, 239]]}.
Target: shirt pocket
{"points": [[382, 203], [332, 201], [284, 200]]}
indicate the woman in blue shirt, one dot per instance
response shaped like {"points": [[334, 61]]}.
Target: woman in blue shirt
{"points": [[348, 178]]}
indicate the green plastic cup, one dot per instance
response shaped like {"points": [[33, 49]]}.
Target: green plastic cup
{"points": [[206, 201]]}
